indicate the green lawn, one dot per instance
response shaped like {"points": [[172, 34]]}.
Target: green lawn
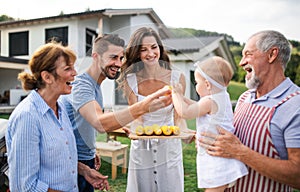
{"points": [[189, 153], [4, 116], [235, 89], [189, 163]]}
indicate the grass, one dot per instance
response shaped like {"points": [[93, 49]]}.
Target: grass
{"points": [[189, 153], [189, 163], [4, 116], [235, 89]]}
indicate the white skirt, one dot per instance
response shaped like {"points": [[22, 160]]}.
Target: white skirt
{"points": [[155, 166], [217, 171]]}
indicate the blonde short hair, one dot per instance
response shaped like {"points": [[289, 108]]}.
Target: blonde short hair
{"points": [[217, 68]]}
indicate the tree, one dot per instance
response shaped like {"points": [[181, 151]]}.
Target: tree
{"points": [[293, 69], [239, 74], [6, 18]]}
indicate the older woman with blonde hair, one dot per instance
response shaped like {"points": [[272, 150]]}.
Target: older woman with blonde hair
{"points": [[41, 147]]}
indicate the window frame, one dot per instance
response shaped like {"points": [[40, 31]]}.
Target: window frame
{"points": [[90, 36], [119, 96], [18, 43], [59, 34]]}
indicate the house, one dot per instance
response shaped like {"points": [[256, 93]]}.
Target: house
{"points": [[184, 52], [10, 88], [20, 38]]}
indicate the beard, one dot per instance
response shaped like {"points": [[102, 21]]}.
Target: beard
{"points": [[253, 82], [105, 71]]}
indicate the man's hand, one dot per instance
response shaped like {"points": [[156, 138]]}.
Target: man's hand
{"points": [[97, 162], [191, 137], [224, 144], [157, 100], [97, 180]]}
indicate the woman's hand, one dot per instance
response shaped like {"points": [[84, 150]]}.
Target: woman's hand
{"points": [[126, 130]]}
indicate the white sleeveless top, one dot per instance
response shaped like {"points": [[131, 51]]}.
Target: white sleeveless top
{"points": [[216, 171], [163, 116], [155, 165]]}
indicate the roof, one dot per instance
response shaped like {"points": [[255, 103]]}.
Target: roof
{"points": [[191, 44], [164, 32], [198, 44]]}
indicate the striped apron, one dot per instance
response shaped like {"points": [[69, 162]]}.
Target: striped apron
{"points": [[252, 128]]}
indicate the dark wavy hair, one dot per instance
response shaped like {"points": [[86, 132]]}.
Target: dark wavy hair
{"points": [[132, 62]]}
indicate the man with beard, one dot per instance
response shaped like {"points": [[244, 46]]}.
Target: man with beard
{"points": [[85, 105], [267, 119]]}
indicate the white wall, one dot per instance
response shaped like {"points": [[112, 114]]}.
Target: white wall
{"points": [[15, 96], [37, 36], [141, 21], [108, 92], [8, 79], [80, 37], [122, 25]]}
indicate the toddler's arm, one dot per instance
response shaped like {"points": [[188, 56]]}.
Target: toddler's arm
{"points": [[187, 108]]}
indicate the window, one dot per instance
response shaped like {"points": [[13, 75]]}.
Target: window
{"points": [[90, 35], [119, 97], [59, 34], [18, 43], [193, 94]]}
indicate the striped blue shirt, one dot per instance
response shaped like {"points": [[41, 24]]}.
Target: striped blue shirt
{"points": [[41, 148]]}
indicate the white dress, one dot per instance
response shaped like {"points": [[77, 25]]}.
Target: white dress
{"points": [[216, 171], [155, 165]]}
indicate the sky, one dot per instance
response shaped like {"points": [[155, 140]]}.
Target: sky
{"points": [[238, 18]]}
